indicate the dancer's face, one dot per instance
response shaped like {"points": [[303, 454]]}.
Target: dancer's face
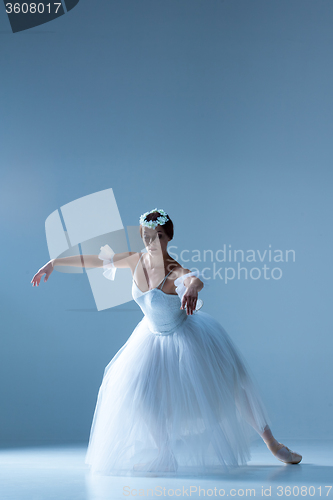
{"points": [[155, 240]]}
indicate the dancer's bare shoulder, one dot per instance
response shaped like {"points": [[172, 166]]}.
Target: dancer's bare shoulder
{"points": [[126, 259], [176, 269]]}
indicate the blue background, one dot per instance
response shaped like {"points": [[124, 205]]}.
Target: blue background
{"points": [[219, 112]]}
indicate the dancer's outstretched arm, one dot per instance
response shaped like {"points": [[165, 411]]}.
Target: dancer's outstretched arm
{"points": [[119, 260]]}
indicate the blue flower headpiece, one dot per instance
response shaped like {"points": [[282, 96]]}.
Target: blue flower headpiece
{"points": [[153, 223]]}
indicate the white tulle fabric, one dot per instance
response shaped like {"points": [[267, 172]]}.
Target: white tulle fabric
{"points": [[176, 399], [181, 288], [106, 255]]}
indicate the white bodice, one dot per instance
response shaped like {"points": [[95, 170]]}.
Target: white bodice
{"points": [[162, 311]]}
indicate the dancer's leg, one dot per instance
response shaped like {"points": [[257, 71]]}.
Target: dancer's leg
{"points": [[245, 409], [281, 451]]}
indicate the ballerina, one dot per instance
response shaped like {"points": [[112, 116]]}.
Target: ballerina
{"points": [[178, 395]]}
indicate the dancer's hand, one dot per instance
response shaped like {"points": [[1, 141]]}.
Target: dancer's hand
{"points": [[47, 270], [189, 299]]}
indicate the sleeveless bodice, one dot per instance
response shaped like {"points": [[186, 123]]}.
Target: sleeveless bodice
{"points": [[162, 310]]}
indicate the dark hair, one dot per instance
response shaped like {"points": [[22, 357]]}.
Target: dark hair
{"points": [[167, 227]]}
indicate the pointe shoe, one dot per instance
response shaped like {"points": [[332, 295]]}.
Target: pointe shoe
{"points": [[294, 457], [287, 456]]}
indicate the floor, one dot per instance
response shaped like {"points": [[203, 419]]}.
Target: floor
{"points": [[59, 473]]}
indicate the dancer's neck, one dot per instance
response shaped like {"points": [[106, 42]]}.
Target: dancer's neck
{"points": [[159, 260]]}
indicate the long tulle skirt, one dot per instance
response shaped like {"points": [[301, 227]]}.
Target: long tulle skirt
{"points": [[180, 403]]}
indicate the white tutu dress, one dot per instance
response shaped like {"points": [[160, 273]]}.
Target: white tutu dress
{"points": [[177, 398]]}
